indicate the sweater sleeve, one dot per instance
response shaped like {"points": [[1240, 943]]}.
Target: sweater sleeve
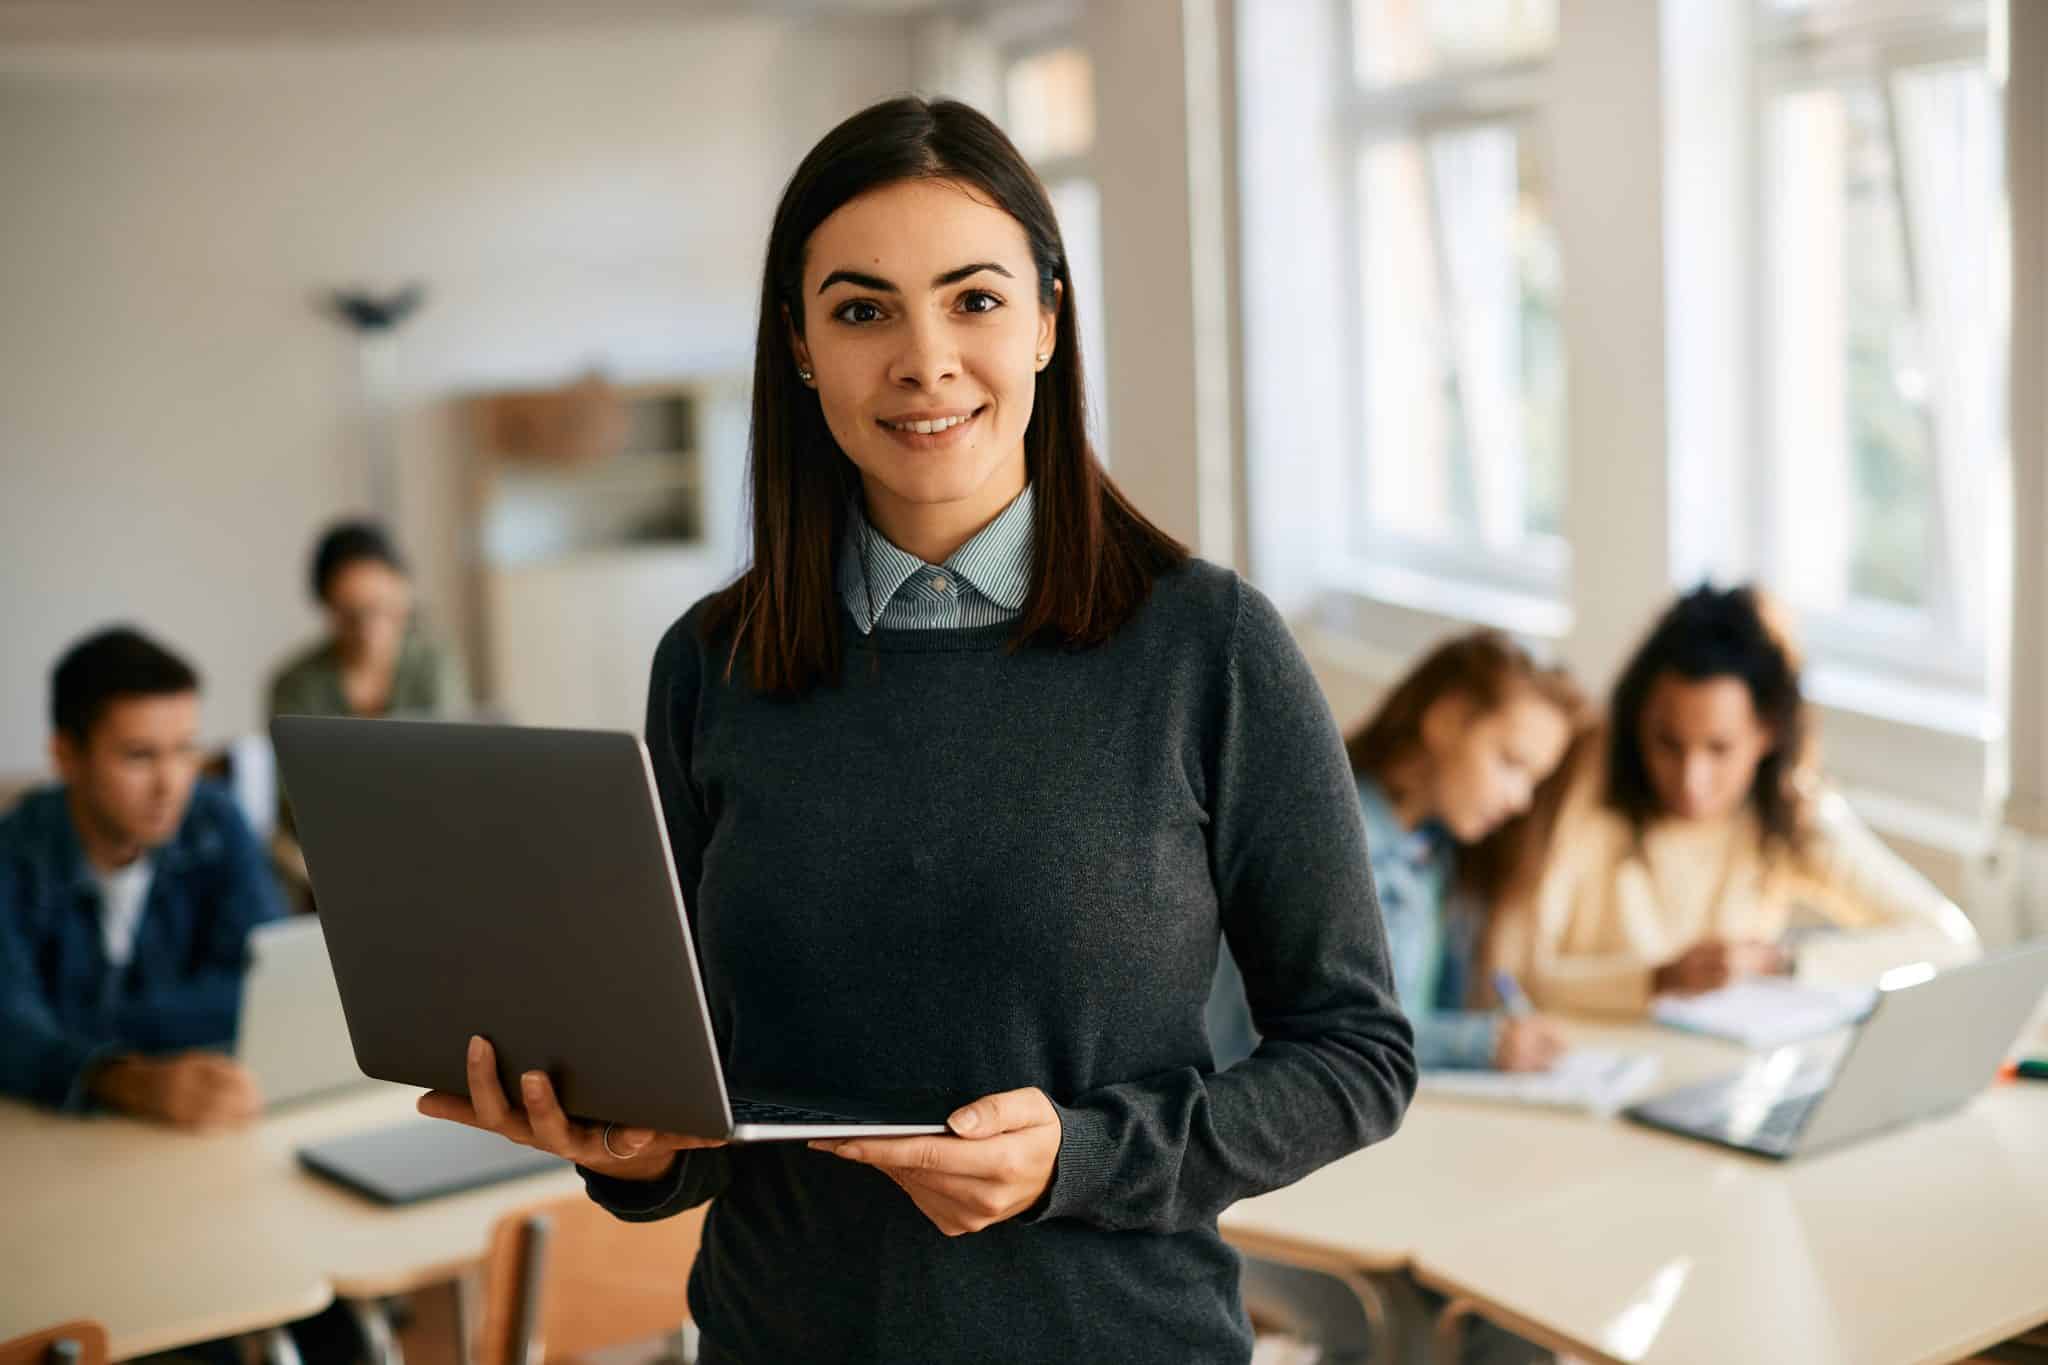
{"points": [[672, 692], [1335, 1067], [1583, 874], [1847, 874]]}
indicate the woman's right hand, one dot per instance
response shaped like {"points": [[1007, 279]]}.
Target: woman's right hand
{"points": [[1716, 963], [1528, 1042], [644, 1153]]}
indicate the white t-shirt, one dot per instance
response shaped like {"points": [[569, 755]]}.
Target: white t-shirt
{"points": [[122, 893]]}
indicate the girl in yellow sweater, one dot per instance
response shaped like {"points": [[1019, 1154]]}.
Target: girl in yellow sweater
{"points": [[1695, 828]]}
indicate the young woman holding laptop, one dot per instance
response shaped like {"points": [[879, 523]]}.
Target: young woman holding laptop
{"points": [[964, 776]]}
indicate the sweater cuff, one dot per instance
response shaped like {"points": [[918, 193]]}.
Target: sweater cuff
{"points": [[636, 1201], [1082, 1170]]}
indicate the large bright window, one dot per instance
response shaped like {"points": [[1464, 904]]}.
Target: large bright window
{"points": [[1460, 358], [1882, 341]]}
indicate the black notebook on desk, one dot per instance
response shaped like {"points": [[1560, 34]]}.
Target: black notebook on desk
{"points": [[422, 1159]]}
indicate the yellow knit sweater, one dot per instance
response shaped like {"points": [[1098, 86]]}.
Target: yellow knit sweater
{"points": [[1609, 909]]}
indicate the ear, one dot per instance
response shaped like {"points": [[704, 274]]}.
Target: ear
{"points": [[1049, 323], [65, 756], [797, 349]]}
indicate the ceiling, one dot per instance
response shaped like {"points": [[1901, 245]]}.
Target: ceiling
{"points": [[133, 21]]}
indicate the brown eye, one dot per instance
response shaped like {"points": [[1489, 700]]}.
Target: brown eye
{"points": [[979, 301], [857, 312]]}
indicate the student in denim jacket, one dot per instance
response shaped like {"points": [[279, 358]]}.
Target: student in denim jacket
{"points": [[1447, 768], [127, 894]]}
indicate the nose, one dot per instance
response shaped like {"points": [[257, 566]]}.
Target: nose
{"points": [[1698, 778], [929, 359]]}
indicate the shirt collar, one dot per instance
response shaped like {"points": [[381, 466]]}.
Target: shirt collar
{"points": [[996, 562], [1421, 845]]}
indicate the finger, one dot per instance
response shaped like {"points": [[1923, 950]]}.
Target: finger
{"points": [[484, 1091], [1001, 1113], [551, 1127], [444, 1104], [983, 1159], [681, 1142]]}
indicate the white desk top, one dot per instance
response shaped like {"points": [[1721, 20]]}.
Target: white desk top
{"points": [[1630, 1245], [1454, 1161], [169, 1238]]}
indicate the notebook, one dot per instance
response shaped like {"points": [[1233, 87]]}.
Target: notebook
{"points": [[1765, 1012], [1596, 1080]]}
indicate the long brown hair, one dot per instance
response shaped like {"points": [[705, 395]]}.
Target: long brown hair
{"points": [[1490, 670], [1719, 633], [1096, 555]]}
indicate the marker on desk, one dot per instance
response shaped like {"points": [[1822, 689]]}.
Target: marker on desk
{"points": [[2031, 1068], [1511, 996]]}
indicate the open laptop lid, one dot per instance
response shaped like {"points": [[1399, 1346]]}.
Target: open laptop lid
{"points": [[510, 882], [1934, 1039], [292, 1034]]}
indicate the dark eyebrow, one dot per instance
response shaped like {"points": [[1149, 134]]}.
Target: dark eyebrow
{"points": [[882, 286]]}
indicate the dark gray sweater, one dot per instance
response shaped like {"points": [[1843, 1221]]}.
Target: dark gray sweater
{"points": [[968, 869]]}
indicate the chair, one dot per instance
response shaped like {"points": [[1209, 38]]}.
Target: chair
{"points": [[566, 1278], [73, 1343]]}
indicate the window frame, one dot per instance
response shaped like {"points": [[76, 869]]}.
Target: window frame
{"points": [[1532, 581], [1869, 45]]}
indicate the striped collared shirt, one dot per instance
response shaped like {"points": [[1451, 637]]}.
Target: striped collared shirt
{"points": [[982, 583]]}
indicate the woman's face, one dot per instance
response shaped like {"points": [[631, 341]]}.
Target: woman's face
{"points": [[1702, 742], [1484, 765], [369, 605], [922, 330]]}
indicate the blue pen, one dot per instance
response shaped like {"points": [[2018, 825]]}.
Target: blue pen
{"points": [[1511, 997]]}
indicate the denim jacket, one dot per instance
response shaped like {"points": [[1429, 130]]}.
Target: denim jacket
{"points": [[64, 1008]]}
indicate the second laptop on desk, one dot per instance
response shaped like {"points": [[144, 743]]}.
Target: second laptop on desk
{"points": [[294, 1039], [518, 884]]}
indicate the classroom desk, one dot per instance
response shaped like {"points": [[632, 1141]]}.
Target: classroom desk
{"points": [[1452, 1162], [1621, 1244], [170, 1238]]}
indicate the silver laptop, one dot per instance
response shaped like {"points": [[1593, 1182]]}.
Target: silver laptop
{"points": [[518, 883], [292, 1033], [1933, 1040]]}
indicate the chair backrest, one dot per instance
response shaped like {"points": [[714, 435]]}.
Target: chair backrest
{"points": [[72, 1343], [566, 1278]]}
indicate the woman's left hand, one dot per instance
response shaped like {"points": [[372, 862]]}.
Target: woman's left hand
{"points": [[998, 1166]]}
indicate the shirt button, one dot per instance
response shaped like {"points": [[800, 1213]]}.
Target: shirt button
{"points": [[941, 585]]}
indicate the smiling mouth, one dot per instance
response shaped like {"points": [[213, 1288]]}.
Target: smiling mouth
{"points": [[935, 427]]}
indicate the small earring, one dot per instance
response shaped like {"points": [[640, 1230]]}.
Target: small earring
{"points": [[803, 374], [1044, 356]]}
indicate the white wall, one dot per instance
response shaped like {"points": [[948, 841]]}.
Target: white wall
{"points": [[174, 413]]}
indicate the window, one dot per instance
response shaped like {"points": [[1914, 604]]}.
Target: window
{"points": [[1883, 349], [1459, 354], [1049, 112]]}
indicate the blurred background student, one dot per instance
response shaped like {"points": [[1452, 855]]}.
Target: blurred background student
{"points": [[1445, 768], [127, 893], [1693, 831], [376, 659]]}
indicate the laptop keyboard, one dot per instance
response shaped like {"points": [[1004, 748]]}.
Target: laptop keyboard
{"points": [[1709, 1112], [761, 1111]]}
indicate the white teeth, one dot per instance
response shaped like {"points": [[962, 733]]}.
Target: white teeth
{"points": [[930, 428]]}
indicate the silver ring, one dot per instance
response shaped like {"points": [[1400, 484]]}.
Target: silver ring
{"points": [[606, 1139]]}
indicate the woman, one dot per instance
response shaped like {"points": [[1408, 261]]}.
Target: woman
{"points": [[374, 660], [1692, 834], [963, 776], [1447, 768]]}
